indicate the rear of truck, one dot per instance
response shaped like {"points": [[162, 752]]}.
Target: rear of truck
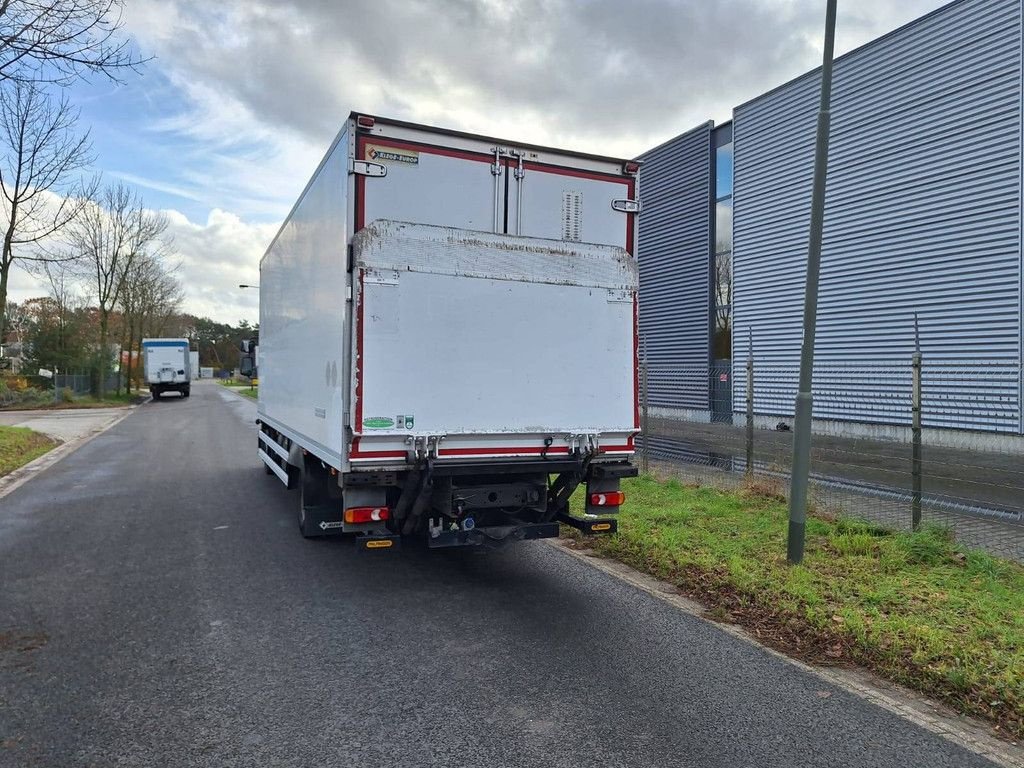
{"points": [[464, 360], [167, 366]]}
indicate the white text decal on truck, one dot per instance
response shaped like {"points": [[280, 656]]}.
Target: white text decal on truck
{"points": [[385, 154]]}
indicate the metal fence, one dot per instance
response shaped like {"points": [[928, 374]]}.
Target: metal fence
{"points": [[42, 391], [900, 443]]}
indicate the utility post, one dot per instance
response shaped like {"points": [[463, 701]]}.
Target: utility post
{"points": [[750, 402], [915, 410], [804, 399], [645, 459]]}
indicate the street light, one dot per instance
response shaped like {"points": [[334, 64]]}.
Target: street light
{"points": [[243, 285]]}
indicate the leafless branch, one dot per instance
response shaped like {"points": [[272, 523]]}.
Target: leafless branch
{"points": [[60, 40], [41, 155]]}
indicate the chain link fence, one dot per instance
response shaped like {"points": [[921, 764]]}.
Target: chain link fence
{"points": [[35, 391], [902, 443]]}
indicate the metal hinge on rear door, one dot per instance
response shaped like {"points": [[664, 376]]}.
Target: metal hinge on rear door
{"points": [[366, 168]]}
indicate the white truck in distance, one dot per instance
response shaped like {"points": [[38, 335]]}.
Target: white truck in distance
{"points": [[448, 338], [167, 366]]}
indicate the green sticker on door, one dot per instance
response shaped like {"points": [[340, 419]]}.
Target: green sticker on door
{"points": [[404, 420], [378, 422]]}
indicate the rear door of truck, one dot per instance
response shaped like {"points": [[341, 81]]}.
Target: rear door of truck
{"points": [[456, 180], [471, 345], [479, 348]]}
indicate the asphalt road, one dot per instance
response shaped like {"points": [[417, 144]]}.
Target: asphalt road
{"points": [[158, 607]]}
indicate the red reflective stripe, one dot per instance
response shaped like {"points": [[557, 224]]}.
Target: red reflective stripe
{"points": [[636, 364], [530, 450], [631, 220], [357, 454], [498, 451], [430, 149], [360, 363], [578, 173], [360, 214]]}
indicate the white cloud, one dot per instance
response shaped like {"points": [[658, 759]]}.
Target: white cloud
{"points": [[210, 260], [214, 258], [267, 85], [602, 76]]}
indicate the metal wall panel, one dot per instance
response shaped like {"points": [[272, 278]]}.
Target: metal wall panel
{"points": [[923, 215], [673, 249]]}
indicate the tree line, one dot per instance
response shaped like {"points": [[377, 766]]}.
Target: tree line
{"points": [[102, 253], [59, 331]]}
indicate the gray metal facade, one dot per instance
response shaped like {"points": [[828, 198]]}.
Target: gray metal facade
{"points": [[674, 251], [923, 215]]}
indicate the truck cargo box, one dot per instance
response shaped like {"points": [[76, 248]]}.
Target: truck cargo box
{"points": [[444, 304]]}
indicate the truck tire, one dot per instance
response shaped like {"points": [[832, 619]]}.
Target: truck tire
{"points": [[155, 393], [312, 493], [186, 392]]}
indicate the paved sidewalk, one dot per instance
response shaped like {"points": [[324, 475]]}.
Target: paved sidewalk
{"points": [[63, 425]]}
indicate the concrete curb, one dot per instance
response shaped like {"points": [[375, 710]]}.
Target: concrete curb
{"points": [[13, 480], [973, 735]]}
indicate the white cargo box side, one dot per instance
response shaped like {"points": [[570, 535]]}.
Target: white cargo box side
{"points": [[499, 346], [302, 355]]}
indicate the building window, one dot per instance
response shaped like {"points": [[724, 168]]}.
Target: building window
{"points": [[721, 268]]}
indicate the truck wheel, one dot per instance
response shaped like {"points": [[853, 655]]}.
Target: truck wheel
{"points": [[155, 393], [185, 392], [312, 493]]}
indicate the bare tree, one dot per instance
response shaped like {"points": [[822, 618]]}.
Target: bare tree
{"points": [[151, 295], [112, 234], [65, 299], [41, 154], [59, 40]]}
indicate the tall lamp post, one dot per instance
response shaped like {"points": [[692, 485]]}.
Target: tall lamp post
{"points": [[804, 398]]}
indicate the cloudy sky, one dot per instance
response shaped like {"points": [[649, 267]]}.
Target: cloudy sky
{"points": [[224, 125]]}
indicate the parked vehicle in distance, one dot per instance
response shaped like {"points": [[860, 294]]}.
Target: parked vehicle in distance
{"points": [[448, 340], [206, 373], [193, 361], [167, 365]]}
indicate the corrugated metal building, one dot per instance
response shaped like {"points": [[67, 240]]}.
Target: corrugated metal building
{"points": [[675, 265], [923, 218]]}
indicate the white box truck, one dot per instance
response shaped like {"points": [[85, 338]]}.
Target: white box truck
{"points": [[448, 338], [167, 365]]}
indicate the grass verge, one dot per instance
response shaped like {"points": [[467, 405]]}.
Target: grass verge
{"points": [[19, 446], [910, 606], [75, 403], [242, 388]]}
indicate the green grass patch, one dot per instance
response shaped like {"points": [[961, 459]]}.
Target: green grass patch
{"points": [[241, 387], [19, 446], [911, 606]]}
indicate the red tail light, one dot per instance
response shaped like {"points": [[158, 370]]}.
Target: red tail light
{"points": [[631, 168], [607, 499], [366, 514], [363, 121]]}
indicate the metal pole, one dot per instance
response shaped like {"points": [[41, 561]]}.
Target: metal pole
{"points": [[915, 407], [804, 398], [645, 461], [750, 403], [56, 391]]}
